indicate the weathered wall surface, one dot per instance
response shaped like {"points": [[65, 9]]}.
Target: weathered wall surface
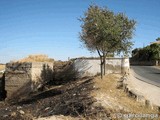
{"points": [[20, 78], [41, 70], [17, 75], [92, 66]]}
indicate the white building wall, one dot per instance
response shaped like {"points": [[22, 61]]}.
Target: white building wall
{"points": [[86, 66]]}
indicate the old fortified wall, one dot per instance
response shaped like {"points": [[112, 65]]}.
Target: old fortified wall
{"points": [[20, 78], [23, 78]]}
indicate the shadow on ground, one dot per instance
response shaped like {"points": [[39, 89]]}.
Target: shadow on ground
{"points": [[71, 95]]}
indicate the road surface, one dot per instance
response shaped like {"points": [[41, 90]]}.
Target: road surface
{"points": [[149, 74]]}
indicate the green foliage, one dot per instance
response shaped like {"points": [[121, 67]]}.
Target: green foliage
{"points": [[158, 39], [147, 53], [106, 31]]}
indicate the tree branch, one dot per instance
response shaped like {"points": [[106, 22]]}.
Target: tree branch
{"points": [[98, 52]]}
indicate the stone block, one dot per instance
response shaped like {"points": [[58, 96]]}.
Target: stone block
{"points": [[20, 78]]}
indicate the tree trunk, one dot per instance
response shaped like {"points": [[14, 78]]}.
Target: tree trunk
{"points": [[104, 65], [101, 67], [102, 56]]}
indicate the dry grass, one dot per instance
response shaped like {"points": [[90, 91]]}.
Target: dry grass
{"points": [[2, 67], [36, 58], [113, 98]]}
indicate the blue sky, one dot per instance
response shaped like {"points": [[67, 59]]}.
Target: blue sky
{"points": [[51, 26]]}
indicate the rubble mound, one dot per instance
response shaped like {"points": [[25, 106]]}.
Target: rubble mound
{"points": [[37, 58]]}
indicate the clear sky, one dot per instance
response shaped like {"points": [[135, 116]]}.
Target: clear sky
{"points": [[51, 26]]}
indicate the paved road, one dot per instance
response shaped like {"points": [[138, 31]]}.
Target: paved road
{"points": [[149, 74]]}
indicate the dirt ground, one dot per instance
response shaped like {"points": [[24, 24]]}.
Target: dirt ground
{"points": [[116, 99], [87, 98]]}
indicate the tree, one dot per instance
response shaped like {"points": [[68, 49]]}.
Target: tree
{"points": [[155, 49], [148, 53], [106, 32], [158, 39]]}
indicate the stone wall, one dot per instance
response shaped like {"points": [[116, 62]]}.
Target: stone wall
{"points": [[21, 78], [17, 75], [89, 67]]}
